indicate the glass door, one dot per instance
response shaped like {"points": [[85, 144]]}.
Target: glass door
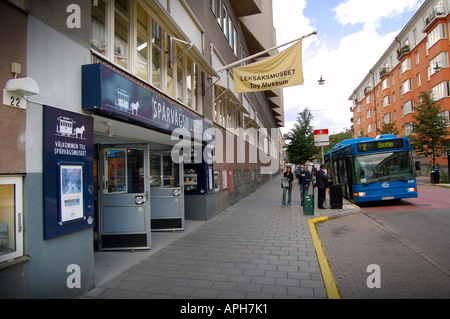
{"points": [[124, 201], [167, 193]]}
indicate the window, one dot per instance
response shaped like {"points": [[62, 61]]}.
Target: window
{"points": [[180, 77], [385, 84], [99, 26], [408, 129], [11, 235], [406, 87], [142, 44], [122, 33], [408, 108], [387, 118], [125, 33], [441, 90], [446, 116], [386, 101], [405, 66], [156, 55], [170, 90], [437, 63], [419, 80], [435, 35]]}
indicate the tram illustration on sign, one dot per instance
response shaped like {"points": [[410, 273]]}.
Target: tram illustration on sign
{"points": [[122, 102], [66, 127]]}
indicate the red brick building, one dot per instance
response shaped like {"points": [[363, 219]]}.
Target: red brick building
{"points": [[417, 61]]}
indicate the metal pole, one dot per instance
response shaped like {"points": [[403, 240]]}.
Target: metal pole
{"points": [[262, 53]]}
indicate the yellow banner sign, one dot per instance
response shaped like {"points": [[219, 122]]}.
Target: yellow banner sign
{"points": [[279, 71]]}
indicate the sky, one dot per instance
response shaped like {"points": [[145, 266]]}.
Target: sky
{"points": [[352, 36]]}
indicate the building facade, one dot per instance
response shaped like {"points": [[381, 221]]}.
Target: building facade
{"points": [[118, 125], [417, 61]]}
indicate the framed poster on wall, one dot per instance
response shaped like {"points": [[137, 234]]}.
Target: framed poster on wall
{"points": [[68, 172], [224, 179], [71, 201]]}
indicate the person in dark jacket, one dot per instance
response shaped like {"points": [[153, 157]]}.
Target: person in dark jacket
{"points": [[322, 183], [290, 178], [305, 182]]}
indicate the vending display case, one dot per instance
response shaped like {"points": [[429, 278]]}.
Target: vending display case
{"points": [[196, 179]]}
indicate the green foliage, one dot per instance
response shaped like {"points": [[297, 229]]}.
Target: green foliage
{"points": [[300, 146], [430, 128], [389, 128]]}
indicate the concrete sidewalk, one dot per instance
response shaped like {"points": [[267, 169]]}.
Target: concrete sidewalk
{"points": [[254, 249]]}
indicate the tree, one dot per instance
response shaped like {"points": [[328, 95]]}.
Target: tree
{"points": [[337, 138], [389, 128], [430, 128], [300, 146]]}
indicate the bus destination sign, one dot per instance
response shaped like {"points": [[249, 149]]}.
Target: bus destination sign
{"points": [[380, 145]]}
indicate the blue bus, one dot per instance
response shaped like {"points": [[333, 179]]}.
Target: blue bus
{"points": [[371, 170]]}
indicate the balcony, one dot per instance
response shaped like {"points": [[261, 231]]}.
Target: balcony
{"points": [[383, 72], [247, 7], [438, 12], [403, 52]]}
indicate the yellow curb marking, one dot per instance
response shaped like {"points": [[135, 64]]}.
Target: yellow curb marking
{"points": [[330, 284]]}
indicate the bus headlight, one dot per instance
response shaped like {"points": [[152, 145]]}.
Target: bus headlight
{"points": [[361, 194], [412, 189]]}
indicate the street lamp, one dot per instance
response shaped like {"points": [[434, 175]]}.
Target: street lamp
{"points": [[321, 80]]}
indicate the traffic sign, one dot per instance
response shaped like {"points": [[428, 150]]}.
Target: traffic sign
{"points": [[321, 138]]}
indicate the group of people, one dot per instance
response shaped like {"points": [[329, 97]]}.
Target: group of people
{"points": [[305, 177]]}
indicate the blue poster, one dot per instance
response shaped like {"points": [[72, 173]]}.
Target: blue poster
{"points": [[68, 158]]}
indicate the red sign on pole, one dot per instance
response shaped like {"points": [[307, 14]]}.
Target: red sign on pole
{"points": [[321, 137]]}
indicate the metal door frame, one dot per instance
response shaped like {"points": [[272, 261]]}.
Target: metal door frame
{"points": [[172, 191], [144, 197]]}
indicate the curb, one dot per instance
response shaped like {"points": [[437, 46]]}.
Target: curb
{"points": [[330, 283]]}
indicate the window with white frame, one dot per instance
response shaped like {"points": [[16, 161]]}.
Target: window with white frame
{"points": [[419, 80], [386, 101], [437, 63], [387, 118], [446, 116], [435, 35], [125, 33], [406, 87], [11, 216], [369, 113], [441, 90], [408, 129], [405, 66], [407, 108], [385, 84], [369, 128], [221, 13]]}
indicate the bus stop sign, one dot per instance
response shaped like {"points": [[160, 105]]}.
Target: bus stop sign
{"points": [[321, 138]]}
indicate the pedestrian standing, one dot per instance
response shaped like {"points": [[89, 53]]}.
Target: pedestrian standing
{"points": [[286, 184], [305, 182], [322, 183]]}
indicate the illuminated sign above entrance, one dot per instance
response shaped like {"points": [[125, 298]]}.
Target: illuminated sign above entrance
{"points": [[107, 92]]}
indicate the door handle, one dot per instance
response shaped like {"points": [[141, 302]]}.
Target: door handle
{"points": [[139, 200]]}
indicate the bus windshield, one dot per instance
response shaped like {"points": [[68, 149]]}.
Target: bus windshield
{"points": [[382, 167]]}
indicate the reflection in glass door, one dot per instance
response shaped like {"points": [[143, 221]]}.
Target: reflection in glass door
{"points": [[124, 206], [166, 194]]}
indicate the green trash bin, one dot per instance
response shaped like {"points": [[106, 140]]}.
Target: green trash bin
{"points": [[308, 205]]}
